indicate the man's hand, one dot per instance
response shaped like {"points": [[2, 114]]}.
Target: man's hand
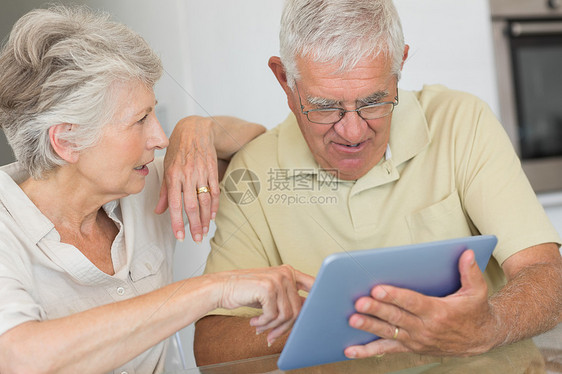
{"points": [[460, 324], [190, 163]]}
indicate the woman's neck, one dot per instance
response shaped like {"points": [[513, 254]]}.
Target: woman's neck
{"points": [[65, 200], [76, 212]]}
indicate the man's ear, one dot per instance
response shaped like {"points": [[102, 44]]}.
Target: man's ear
{"points": [[278, 70], [63, 147], [405, 56]]}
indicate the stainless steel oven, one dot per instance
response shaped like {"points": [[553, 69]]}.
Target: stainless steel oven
{"points": [[528, 50]]}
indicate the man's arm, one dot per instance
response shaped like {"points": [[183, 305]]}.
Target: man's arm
{"points": [[199, 151], [531, 301], [227, 338], [467, 322]]}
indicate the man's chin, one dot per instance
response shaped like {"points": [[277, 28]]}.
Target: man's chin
{"points": [[350, 174]]}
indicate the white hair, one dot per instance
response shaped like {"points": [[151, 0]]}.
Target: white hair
{"points": [[59, 66], [339, 31]]}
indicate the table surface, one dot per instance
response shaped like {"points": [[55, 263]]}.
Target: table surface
{"points": [[542, 354]]}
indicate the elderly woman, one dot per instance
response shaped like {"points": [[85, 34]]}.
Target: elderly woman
{"points": [[85, 264]]}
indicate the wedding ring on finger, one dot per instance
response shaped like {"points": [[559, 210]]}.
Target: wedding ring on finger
{"points": [[204, 189], [396, 331]]}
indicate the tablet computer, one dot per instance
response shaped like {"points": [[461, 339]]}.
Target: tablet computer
{"points": [[321, 331]]}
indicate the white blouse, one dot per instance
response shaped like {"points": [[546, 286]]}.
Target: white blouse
{"points": [[42, 278]]}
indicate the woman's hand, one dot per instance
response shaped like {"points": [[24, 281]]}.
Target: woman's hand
{"points": [[275, 290], [199, 151], [191, 164]]}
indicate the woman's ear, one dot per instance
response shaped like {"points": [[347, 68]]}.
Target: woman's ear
{"points": [[63, 147]]}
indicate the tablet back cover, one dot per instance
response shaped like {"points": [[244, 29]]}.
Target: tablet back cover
{"points": [[321, 332]]}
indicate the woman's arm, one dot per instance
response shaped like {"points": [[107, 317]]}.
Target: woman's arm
{"points": [[232, 133], [106, 337], [199, 151]]}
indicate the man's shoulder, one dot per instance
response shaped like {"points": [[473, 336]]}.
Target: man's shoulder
{"points": [[260, 151], [449, 111], [440, 96]]}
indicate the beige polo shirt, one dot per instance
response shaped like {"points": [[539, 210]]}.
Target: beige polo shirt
{"points": [[42, 278], [451, 172]]}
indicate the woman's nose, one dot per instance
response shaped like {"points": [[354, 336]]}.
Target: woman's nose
{"points": [[157, 138]]}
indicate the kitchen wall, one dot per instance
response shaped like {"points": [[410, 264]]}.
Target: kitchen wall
{"points": [[449, 44], [215, 55], [162, 24]]}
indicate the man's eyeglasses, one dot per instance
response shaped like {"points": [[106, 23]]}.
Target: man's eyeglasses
{"points": [[330, 116]]}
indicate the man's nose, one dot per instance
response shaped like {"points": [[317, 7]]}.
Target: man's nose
{"points": [[351, 127]]}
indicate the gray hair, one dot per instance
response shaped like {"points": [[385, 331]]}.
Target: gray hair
{"points": [[60, 66], [339, 31]]}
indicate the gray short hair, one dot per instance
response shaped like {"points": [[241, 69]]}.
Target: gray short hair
{"points": [[339, 31], [59, 66]]}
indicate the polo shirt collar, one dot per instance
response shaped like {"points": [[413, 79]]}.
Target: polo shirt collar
{"points": [[409, 135], [294, 154], [409, 132]]}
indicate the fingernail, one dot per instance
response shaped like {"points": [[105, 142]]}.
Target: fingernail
{"points": [[364, 306], [358, 322], [198, 238], [180, 236], [380, 293], [205, 230], [351, 353], [213, 215]]}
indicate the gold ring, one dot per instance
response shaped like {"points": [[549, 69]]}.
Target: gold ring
{"points": [[203, 189], [396, 331]]}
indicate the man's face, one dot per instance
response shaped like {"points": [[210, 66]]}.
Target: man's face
{"points": [[353, 145]]}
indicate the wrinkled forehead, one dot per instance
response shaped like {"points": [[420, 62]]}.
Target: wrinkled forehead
{"points": [[129, 99], [325, 79]]}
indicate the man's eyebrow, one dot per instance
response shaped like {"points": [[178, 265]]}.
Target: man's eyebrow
{"points": [[374, 97], [322, 101]]}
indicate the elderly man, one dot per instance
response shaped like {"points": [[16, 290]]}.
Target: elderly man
{"points": [[361, 164]]}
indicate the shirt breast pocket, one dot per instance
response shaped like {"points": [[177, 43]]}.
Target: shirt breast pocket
{"points": [[148, 270], [442, 220]]}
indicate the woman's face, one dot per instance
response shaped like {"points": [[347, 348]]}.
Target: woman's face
{"points": [[117, 165]]}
